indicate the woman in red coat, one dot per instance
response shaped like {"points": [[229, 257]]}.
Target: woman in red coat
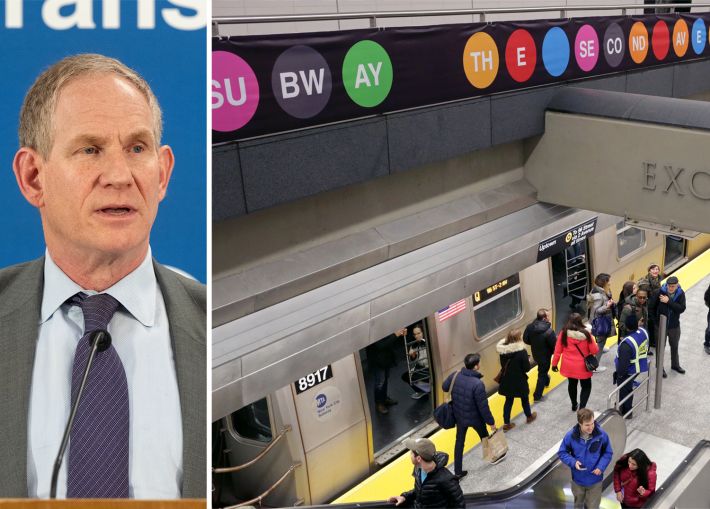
{"points": [[574, 343], [634, 479]]}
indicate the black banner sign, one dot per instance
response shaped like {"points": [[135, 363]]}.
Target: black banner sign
{"points": [[567, 238], [482, 296], [267, 84], [312, 379]]}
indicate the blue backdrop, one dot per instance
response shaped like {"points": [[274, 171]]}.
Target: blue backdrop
{"points": [[172, 58]]}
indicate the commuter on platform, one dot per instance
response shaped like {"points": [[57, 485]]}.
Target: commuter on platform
{"points": [[631, 359], [707, 330], [541, 338], [603, 308], [381, 357], [515, 365], [630, 288], [634, 479], [651, 282], [574, 343], [636, 305], [587, 451], [434, 485], [471, 408], [671, 303]]}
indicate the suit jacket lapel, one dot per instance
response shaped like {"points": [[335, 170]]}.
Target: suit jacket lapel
{"points": [[20, 305], [187, 332]]}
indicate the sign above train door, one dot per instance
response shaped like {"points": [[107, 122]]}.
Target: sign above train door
{"points": [[643, 158], [567, 238]]}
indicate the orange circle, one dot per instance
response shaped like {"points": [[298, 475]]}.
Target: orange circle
{"points": [[480, 60], [638, 42], [681, 37]]}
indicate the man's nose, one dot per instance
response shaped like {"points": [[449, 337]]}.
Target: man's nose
{"points": [[116, 169]]}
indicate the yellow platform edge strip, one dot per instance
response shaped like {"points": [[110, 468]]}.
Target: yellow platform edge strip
{"points": [[396, 477]]}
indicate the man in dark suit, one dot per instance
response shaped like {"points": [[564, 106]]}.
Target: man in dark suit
{"points": [[91, 162]]}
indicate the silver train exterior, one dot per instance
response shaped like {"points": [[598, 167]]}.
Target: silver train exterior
{"points": [[330, 435]]}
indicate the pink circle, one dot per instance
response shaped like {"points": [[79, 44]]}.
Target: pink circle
{"points": [[235, 92], [586, 48]]}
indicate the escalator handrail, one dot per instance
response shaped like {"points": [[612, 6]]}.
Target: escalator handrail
{"points": [[677, 473]]}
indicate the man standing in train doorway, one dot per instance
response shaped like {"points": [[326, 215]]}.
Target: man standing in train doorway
{"points": [[707, 330], [90, 160], [381, 357]]}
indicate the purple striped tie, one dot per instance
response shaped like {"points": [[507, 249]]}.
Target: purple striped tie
{"points": [[98, 446]]}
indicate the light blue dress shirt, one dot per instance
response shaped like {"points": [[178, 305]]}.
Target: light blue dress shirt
{"points": [[141, 336]]}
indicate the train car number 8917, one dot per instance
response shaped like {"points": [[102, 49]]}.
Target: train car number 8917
{"points": [[312, 379]]}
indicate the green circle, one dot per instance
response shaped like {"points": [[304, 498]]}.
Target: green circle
{"points": [[367, 73]]}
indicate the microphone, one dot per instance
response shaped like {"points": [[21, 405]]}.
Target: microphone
{"points": [[99, 340]]}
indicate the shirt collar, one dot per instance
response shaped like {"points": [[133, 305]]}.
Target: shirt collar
{"points": [[136, 291]]}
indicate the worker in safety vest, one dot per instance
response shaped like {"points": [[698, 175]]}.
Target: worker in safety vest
{"points": [[631, 359]]}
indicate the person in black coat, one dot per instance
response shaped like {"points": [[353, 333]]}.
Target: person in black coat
{"points": [[515, 365], [671, 302], [707, 331], [471, 408], [380, 358], [541, 338], [434, 485]]}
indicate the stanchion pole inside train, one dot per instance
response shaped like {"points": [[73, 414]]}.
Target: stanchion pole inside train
{"points": [[660, 350]]}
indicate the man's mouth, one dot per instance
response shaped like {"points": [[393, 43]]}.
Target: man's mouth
{"points": [[116, 211]]}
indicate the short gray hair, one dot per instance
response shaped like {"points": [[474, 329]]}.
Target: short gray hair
{"points": [[36, 115]]}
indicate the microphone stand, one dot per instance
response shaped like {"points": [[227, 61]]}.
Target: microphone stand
{"points": [[100, 340]]}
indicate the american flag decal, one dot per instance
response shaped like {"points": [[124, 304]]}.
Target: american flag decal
{"points": [[451, 310]]}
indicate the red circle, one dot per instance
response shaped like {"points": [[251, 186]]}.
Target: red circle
{"points": [[520, 55], [660, 40]]}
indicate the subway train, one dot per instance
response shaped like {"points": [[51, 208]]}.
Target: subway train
{"points": [[311, 440]]}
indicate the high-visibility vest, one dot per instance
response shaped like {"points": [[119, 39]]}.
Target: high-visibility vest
{"points": [[638, 340]]}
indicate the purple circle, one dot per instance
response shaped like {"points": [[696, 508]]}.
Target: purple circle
{"points": [[586, 48], [235, 92]]}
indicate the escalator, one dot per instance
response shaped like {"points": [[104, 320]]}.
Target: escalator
{"points": [[687, 486]]}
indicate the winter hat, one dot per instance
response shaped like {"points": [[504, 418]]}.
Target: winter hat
{"points": [[631, 322]]}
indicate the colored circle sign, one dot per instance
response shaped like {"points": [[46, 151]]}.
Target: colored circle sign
{"points": [[235, 92], [367, 73], [480, 60], [699, 35], [555, 51], [660, 40], [520, 55], [614, 45], [681, 37], [638, 42], [301, 81], [586, 48]]}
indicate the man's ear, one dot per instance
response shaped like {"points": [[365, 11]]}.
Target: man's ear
{"points": [[166, 161], [27, 167]]}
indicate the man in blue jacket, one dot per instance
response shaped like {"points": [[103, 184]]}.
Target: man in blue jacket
{"points": [[671, 302], [587, 451], [470, 406]]}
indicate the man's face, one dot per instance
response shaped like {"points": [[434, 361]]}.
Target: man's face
{"points": [[672, 287], [641, 297], [587, 426], [418, 334], [99, 187]]}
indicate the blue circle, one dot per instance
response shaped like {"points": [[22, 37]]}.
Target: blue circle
{"points": [[698, 36], [555, 51]]}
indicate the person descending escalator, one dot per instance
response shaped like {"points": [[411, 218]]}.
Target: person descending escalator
{"points": [[434, 485], [634, 479]]}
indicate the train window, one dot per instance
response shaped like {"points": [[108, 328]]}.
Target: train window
{"points": [[500, 308], [252, 421], [628, 239]]}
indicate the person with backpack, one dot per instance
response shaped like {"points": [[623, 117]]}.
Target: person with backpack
{"points": [[470, 402], [574, 343], [586, 450], [602, 310], [651, 282], [541, 338]]}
